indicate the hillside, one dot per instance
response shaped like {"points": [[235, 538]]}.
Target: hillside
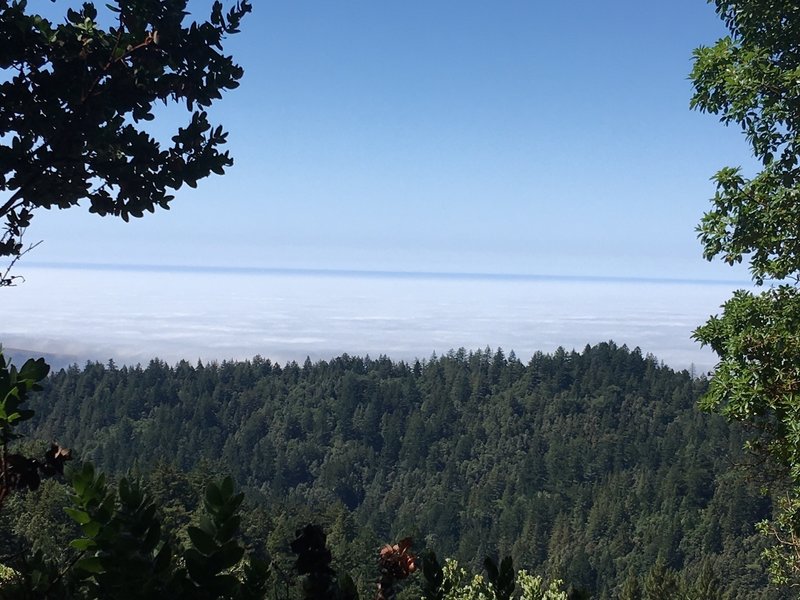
{"points": [[592, 466]]}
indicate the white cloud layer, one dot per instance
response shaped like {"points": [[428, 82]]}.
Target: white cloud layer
{"points": [[133, 316]]}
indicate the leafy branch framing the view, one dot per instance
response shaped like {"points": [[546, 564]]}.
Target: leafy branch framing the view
{"points": [[17, 472], [750, 79], [75, 95]]}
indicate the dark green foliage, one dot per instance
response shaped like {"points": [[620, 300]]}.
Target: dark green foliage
{"points": [[660, 583], [319, 580], [19, 472], [631, 590], [434, 587], [15, 386], [749, 79], [501, 579], [313, 562], [587, 466], [757, 381], [74, 94], [122, 553], [215, 548], [37, 522]]}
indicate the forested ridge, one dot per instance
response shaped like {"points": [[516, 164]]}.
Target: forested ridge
{"points": [[595, 466], [590, 466]]}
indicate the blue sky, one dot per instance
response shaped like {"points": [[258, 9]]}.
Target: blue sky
{"points": [[504, 137], [440, 136]]}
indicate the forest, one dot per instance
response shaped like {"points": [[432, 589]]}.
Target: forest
{"points": [[592, 467], [473, 475]]}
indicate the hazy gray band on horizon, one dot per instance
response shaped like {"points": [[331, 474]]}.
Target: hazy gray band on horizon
{"points": [[310, 272]]}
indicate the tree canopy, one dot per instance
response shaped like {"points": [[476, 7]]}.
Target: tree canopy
{"points": [[751, 79], [76, 96], [584, 466]]}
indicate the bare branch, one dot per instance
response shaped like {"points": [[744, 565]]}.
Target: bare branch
{"points": [[7, 280]]}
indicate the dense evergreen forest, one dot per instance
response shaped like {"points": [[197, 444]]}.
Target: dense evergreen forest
{"points": [[593, 466]]}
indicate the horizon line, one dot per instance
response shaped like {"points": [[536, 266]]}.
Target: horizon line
{"points": [[378, 273]]}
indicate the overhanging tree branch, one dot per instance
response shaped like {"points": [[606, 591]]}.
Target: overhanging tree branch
{"points": [[76, 122]]}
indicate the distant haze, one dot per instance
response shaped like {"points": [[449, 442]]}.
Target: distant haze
{"points": [[133, 315]]}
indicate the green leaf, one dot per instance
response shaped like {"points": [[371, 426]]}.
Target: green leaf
{"points": [[125, 494], [197, 565], [225, 585], [163, 558], [207, 525], [79, 516], [91, 565], [91, 529], [226, 557], [227, 487], [202, 541], [35, 370], [152, 538], [82, 544], [228, 529], [24, 415], [214, 497]]}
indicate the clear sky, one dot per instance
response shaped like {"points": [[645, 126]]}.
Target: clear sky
{"points": [[507, 137], [458, 136]]}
